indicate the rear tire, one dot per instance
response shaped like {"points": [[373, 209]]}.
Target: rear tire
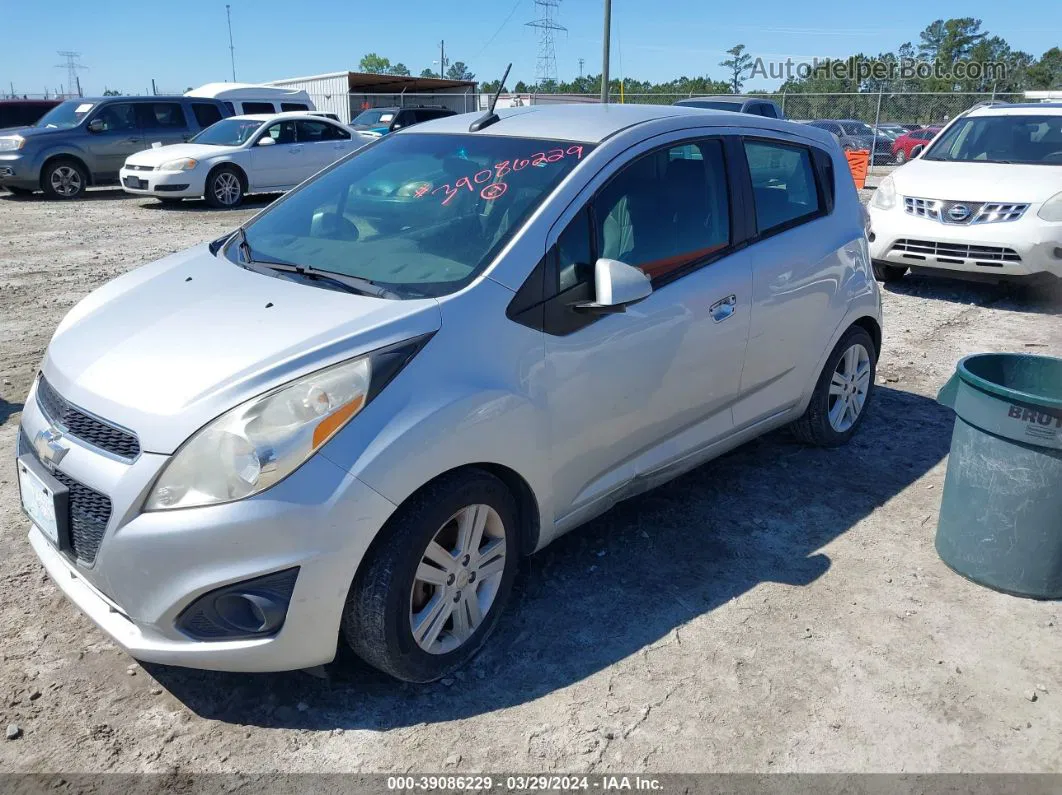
{"points": [[842, 393], [888, 273], [64, 178], [419, 606], [225, 187]]}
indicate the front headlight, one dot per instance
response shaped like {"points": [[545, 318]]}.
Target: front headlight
{"points": [[1052, 209], [184, 164], [11, 143], [885, 196], [259, 443]]}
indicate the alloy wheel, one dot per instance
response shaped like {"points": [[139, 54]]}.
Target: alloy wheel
{"points": [[457, 579], [66, 181], [227, 188], [849, 386]]}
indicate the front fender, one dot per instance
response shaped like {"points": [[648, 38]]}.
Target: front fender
{"points": [[60, 150]]}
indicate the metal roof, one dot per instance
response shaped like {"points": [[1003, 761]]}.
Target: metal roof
{"points": [[366, 83]]}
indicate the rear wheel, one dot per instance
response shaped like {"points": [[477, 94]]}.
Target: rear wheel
{"points": [[433, 588], [224, 187], [64, 179], [842, 392], [888, 273]]}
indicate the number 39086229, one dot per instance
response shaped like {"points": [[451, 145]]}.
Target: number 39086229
{"points": [[490, 183]]}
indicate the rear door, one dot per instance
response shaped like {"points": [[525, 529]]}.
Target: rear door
{"points": [[119, 137], [163, 123], [635, 393], [281, 164], [323, 143]]}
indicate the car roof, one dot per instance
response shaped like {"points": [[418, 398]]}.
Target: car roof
{"points": [[1024, 109], [289, 114], [589, 122]]}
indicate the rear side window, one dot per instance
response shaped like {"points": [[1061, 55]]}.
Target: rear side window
{"points": [[258, 107], [286, 106], [309, 132], [206, 114], [783, 184], [160, 115]]}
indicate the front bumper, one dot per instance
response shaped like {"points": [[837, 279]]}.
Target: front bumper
{"points": [[150, 566], [16, 170], [163, 184], [1027, 247]]}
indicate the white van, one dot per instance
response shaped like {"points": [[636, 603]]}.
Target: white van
{"points": [[247, 98]]}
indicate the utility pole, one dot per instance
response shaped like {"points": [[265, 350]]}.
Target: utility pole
{"points": [[604, 51], [581, 62], [232, 50], [442, 59]]}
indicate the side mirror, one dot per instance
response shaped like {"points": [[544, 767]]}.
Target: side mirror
{"points": [[617, 285], [95, 126], [266, 141]]}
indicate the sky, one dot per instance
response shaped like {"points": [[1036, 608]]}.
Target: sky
{"points": [[126, 44]]}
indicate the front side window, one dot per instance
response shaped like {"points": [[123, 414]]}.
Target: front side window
{"points": [[119, 117], [1001, 139], [228, 132], [420, 215], [160, 115], [665, 211], [783, 184], [282, 132]]}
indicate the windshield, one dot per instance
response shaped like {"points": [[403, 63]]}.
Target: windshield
{"points": [[228, 132], [857, 128], [1001, 139], [373, 117], [420, 215], [65, 115]]}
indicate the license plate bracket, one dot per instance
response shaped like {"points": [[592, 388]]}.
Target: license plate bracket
{"points": [[45, 501]]}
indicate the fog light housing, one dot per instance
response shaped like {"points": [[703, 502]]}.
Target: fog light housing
{"points": [[253, 608]]}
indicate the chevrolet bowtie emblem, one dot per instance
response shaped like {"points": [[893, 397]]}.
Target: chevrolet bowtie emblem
{"points": [[46, 443]]}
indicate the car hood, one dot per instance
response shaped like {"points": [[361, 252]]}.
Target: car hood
{"points": [[167, 347], [162, 154], [36, 132], [977, 182]]}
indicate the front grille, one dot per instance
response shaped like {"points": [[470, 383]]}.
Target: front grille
{"points": [[131, 167], [84, 426], [89, 510], [956, 253], [963, 213]]}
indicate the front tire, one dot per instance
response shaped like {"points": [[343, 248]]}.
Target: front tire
{"points": [[64, 178], [842, 393], [901, 156], [888, 273], [431, 590], [225, 188]]}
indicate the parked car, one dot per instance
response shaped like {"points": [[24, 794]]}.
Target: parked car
{"points": [[985, 198], [84, 142], [890, 131], [911, 145], [237, 156], [854, 135], [243, 99], [23, 112], [380, 121], [348, 419], [755, 105]]}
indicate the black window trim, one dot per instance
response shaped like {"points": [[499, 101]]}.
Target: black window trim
{"points": [[825, 206]]}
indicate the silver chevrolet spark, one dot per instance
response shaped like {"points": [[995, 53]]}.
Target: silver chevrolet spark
{"points": [[346, 421]]}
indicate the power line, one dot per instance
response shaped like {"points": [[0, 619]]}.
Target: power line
{"points": [[501, 27], [546, 68]]}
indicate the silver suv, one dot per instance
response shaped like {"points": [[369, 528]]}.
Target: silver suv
{"points": [[348, 420]]}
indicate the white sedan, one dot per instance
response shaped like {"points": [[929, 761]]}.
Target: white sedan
{"points": [[261, 153]]}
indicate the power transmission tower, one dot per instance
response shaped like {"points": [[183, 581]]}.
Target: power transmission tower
{"points": [[72, 65], [546, 68]]}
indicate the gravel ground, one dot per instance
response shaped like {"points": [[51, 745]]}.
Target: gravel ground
{"points": [[780, 609]]}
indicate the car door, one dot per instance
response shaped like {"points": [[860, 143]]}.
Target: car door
{"points": [[163, 123], [798, 266], [404, 118], [633, 393], [114, 135], [280, 164], [323, 143]]}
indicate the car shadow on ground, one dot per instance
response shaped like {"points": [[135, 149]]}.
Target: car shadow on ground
{"points": [[624, 581], [8, 410], [254, 201], [1038, 298], [92, 194]]}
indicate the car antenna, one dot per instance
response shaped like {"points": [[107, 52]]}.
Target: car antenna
{"points": [[488, 118]]}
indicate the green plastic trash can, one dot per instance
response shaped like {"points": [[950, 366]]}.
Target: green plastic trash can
{"points": [[1001, 511]]}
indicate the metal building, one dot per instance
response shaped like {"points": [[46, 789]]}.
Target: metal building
{"points": [[348, 93]]}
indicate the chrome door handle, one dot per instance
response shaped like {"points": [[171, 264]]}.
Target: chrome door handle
{"points": [[723, 308]]}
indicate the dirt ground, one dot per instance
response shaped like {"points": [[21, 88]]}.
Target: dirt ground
{"points": [[780, 609]]}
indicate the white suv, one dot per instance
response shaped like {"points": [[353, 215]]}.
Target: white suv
{"points": [[984, 198]]}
